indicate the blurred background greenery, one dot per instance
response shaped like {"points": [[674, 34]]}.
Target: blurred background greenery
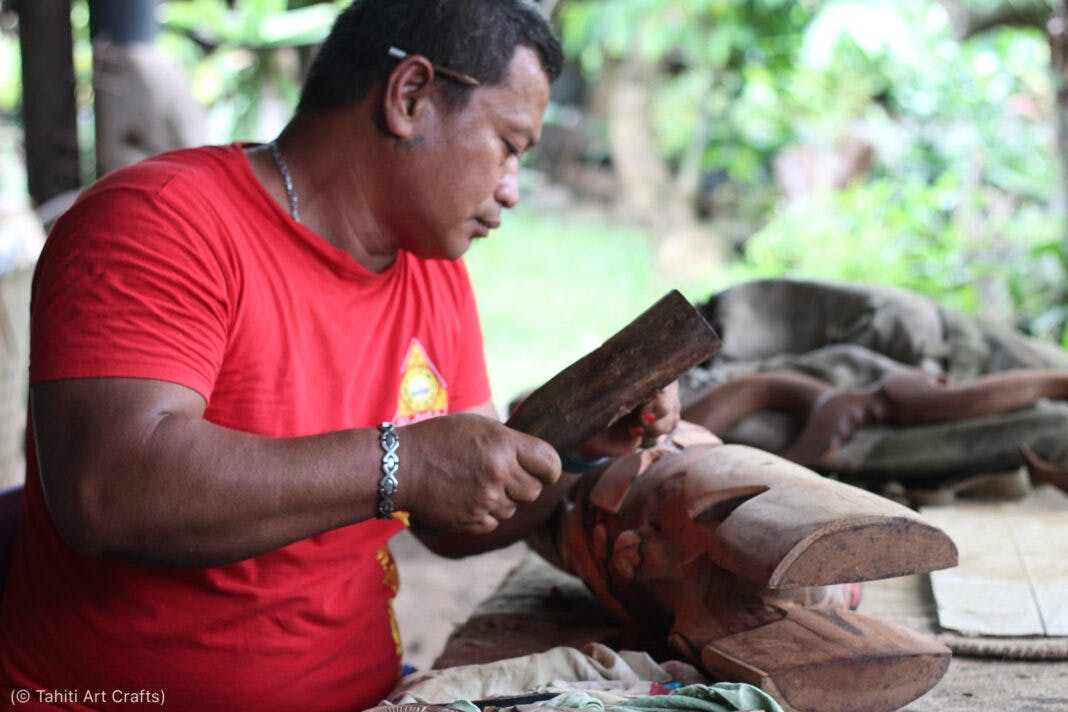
{"points": [[693, 144]]}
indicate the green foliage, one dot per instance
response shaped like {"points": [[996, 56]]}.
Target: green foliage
{"points": [[238, 54], [960, 206], [711, 32], [10, 74], [963, 246], [552, 287], [735, 58], [959, 203], [251, 23]]}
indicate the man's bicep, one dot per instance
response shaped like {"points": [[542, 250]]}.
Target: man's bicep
{"points": [[93, 438], [82, 424], [82, 415]]}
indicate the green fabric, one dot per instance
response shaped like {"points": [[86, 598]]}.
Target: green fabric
{"points": [[464, 706], [721, 697], [576, 699]]}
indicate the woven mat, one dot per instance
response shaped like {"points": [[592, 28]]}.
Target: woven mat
{"points": [[1006, 648]]}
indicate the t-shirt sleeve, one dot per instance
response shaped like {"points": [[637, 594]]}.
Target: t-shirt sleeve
{"points": [[126, 287], [469, 385]]}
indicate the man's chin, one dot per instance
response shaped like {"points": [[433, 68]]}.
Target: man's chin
{"points": [[452, 248], [455, 249]]}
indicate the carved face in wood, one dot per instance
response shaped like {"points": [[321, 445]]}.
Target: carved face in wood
{"points": [[747, 563], [642, 533]]}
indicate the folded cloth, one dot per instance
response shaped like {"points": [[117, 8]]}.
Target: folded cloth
{"points": [[720, 697], [596, 678], [596, 669]]}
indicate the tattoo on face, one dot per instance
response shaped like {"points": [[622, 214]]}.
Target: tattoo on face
{"points": [[407, 144]]}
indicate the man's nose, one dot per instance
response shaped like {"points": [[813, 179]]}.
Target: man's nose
{"points": [[507, 193]]}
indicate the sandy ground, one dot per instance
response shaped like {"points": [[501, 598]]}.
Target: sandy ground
{"points": [[437, 594]]}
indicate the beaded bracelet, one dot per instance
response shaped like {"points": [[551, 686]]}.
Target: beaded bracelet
{"points": [[387, 486]]}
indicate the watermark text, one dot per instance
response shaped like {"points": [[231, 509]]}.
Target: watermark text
{"points": [[89, 697]]}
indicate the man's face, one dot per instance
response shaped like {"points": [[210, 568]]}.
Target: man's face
{"points": [[468, 161]]}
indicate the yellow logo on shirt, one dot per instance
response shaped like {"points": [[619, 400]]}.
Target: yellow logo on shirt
{"points": [[423, 393]]}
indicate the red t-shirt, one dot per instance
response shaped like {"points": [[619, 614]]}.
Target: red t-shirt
{"points": [[183, 269]]}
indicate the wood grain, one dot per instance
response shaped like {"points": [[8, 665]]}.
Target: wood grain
{"points": [[831, 661], [808, 530], [590, 395]]}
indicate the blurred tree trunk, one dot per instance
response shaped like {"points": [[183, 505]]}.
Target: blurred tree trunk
{"points": [[142, 101], [49, 111], [649, 192], [1058, 38], [642, 175]]}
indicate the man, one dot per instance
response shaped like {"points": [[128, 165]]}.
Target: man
{"points": [[216, 335]]}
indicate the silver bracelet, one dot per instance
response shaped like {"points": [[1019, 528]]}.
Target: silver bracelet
{"points": [[387, 486]]}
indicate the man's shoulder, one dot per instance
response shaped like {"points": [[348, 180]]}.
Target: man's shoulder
{"points": [[179, 167], [162, 200]]}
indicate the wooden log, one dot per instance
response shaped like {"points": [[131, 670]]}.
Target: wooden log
{"points": [[593, 393], [915, 399], [722, 405], [1044, 470], [829, 417]]}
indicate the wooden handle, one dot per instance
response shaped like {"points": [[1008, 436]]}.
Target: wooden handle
{"points": [[662, 343]]}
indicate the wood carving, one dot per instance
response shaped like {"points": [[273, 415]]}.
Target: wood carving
{"points": [[829, 416], [591, 394], [749, 565], [1044, 470]]}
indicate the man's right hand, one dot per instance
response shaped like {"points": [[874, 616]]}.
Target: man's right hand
{"points": [[466, 473]]}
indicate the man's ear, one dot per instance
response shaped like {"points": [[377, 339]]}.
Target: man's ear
{"points": [[407, 95]]}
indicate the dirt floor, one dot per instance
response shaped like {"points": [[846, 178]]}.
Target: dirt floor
{"points": [[437, 595], [971, 683]]}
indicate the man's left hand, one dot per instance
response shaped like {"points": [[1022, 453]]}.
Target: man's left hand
{"points": [[640, 428]]}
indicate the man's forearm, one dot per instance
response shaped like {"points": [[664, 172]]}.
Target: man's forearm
{"points": [[132, 470], [196, 494]]}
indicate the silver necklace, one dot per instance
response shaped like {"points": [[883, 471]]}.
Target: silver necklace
{"points": [[287, 180]]}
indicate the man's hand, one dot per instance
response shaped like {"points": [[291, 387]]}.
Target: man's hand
{"points": [[644, 426], [466, 473]]}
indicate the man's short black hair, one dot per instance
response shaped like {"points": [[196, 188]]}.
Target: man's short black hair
{"points": [[475, 37]]}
